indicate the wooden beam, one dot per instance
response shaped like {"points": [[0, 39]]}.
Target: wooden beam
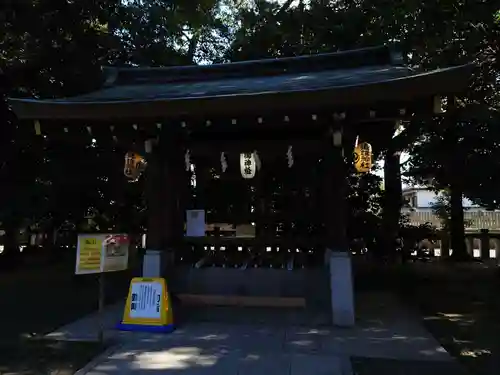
{"points": [[270, 147], [284, 121]]}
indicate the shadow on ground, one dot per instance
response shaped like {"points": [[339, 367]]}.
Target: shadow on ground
{"points": [[378, 366], [35, 301], [461, 307], [43, 357], [458, 304], [212, 352]]}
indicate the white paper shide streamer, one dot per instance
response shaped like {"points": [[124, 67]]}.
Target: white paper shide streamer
{"points": [[223, 162], [258, 163], [289, 156], [187, 160]]}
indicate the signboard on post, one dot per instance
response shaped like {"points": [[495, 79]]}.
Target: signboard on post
{"points": [[101, 253], [98, 253]]}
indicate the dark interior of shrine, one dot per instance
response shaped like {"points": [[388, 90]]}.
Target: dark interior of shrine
{"points": [[276, 219]]}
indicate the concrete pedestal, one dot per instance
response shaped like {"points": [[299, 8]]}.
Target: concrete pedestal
{"points": [[485, 244], [152, 265], [341, 287]]}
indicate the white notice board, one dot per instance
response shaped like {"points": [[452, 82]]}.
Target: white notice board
{"points": [[146, 300]]}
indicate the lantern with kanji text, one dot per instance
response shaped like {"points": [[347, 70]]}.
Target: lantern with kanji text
{"points": [[248, 165], [363, 157]]}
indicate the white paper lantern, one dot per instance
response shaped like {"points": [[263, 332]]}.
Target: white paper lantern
{"points": [[248, 165]]}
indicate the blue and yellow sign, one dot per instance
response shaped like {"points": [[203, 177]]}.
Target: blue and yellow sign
{"points": [[148, 307]]}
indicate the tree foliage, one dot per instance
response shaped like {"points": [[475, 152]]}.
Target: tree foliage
{"points": [[441, 207]]}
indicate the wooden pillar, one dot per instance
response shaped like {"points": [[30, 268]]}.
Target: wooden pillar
{"points": [[152, 262], [261, 232], [334, 194], [175, 188], [337, 252], [163, 186], [154, 200], [183, 197]]}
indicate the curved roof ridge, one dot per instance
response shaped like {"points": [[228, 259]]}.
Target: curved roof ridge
{"points": [[350, 59]]}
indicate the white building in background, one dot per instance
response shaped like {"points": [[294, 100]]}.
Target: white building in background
{"points": [[418, 203], [422, 199]]}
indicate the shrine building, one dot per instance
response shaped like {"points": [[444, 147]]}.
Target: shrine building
{"points": [[238, 124]]}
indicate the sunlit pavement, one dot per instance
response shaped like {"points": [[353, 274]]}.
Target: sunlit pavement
{"points": [[384, 330]]}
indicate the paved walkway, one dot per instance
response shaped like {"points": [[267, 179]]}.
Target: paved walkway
{"points": [[384, 330]]}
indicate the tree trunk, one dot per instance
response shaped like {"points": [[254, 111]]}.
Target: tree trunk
{"points": [[392, 201], [455, 164]]}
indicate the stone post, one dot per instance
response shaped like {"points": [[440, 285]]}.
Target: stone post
{"points": [[497, 249], [485, 244], [445, 245]]}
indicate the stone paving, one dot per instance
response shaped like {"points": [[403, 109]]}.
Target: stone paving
{"points": [[384, 330]]}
